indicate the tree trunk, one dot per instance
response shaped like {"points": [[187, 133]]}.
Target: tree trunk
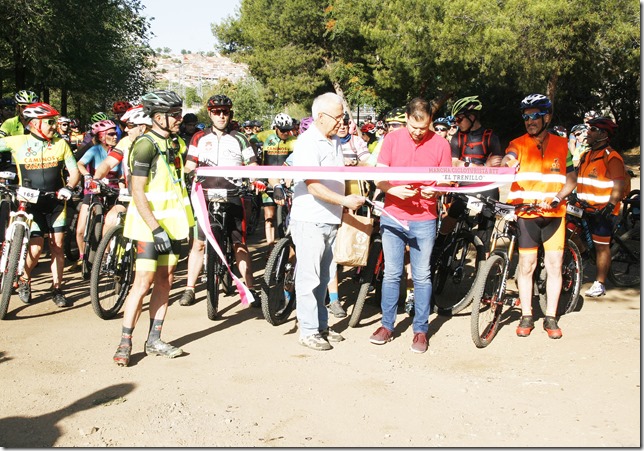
{"points": [[551, 89], [63, 101]]}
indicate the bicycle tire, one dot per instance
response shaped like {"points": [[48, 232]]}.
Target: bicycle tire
{"points": [[10, 275], [625, 265], [213, 276], [96, 231], [71, 246], [453, 286], [254, 215], [488, 301], [279, 276], [5, 210], [366, 281], [628, 219], [572, 275], [112, 275]]}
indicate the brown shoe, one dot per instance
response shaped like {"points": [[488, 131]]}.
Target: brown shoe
{"points": [[381, 336], [419, 345]]}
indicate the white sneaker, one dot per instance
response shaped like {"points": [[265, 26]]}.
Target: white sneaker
{"points": [[596, 290]]}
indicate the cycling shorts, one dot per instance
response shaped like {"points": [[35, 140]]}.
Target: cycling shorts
{"points": [[551, 232], [267, 200], [236, 224], [50, 216], [148, 259], [601, 228]]}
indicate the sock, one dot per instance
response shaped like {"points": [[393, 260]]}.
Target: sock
{"points": [[126, 336], [191, 288], [155, 330], [333, 297], [287, 296]]}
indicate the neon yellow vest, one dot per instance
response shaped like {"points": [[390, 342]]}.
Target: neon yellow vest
{"points": [[167, 198]]}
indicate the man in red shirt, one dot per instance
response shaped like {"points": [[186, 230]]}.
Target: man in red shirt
{"points": [[414, 145]]}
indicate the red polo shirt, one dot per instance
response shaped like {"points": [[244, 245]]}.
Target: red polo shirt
{"points": [[400, 150]]}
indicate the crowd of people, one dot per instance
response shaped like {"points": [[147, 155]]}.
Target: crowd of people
{"points": [[153, 150]]}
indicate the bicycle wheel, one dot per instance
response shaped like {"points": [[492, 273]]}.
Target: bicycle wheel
{"points": [[214, 272], [488, 301], [625, 259], [254, 202], [112, 273], [96, 231], [572, 275], [5, 209], [367, 277], [10, 276], [279, 279], [71, 246], [630, 215], [454, 274]]}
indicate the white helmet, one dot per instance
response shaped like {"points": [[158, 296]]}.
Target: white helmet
{"points": [[283, 121], [136, 116]]}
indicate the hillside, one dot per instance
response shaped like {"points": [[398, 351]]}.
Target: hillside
{"points": [[194, 69]]}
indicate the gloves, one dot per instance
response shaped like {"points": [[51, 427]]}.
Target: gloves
{"points": [[64, 193], [162, 242], [278, 192], [259, 185], [572, 198], [555, 202], [607, 211]]}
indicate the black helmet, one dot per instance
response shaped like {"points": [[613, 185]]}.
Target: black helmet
{"points": [[160, 102], [190, 118], [219, 100], [604, 123]]}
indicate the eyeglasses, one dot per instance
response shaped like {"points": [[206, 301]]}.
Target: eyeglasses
{"points": [[130, 125], [49, 121], [395, 126], [111, 134], [594, 129], [283, 130], [217, 112], [64, 124], [336, 119], [533, 116], [174, 114], [441, 129], [453, 126], [459, 119]]}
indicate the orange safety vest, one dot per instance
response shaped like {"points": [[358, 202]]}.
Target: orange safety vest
{"points": [[595, 182], [541, 175]]}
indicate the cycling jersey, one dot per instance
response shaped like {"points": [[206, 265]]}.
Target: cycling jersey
{"points": [[92, 160], [597, 172], [39, 160], [476, 146], [275, 151], [231, 149], [12, 127]]}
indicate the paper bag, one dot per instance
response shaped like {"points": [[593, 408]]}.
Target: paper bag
{"points": [[352, 240]]}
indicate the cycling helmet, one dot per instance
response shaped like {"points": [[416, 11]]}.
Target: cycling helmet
{"points": [[538, 101], [604, 123], [25, 97], [380, 125], [160, 101], [136, 116], [305, 123], [39, 110], [441, 121], [219, 100], [63, 119], [257, 123], [579, 128], [121, 107], [190, 118], [247, 124], [450, 120], [560, 130], [100, 116], [368, 128], [74, 123], [592, 114], [7, 102], [471, 103], [283, 121], [396, 115], [102, 126]]}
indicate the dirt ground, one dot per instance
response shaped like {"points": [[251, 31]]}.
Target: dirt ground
{"points": [[243, 382]]}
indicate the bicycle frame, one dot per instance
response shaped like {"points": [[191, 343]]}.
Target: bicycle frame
{"points": [[13, 223]]}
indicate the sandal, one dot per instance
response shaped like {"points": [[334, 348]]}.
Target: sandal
{"points": [[122, 355]]}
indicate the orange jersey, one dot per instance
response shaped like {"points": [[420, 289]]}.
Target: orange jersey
{"points": [[597, 172]]}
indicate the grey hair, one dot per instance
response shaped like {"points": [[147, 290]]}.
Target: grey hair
{"points": [[324, 100]]}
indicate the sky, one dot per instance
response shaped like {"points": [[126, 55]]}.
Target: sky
{"points": [[186, 24]]}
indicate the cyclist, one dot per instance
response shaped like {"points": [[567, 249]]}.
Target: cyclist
{"points": [[7, 108], [216, 146], [136, 124], [105, 132], [441, 127], [18, 125], [158, 218], [473, 145], [577, 142], [601, 183], [40, 159], [545, 176], [76, 136], [276, 148], [63, 130], [89, 139], [119, 108], [368, 133], [188, 127]]}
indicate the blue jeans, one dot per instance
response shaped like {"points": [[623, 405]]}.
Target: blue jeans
{"points": [[420, 238], [315, 269]]}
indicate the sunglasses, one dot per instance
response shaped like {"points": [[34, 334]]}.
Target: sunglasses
{"points": [[441, 129], [459, 119], [130, 125], [533, 116], [49, 121], [111, 134], [175, 114], [594, 129], [394, 126], [218, 112], [64, 124]]}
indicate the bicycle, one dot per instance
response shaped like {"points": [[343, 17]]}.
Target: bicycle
{"points": [[113, 273], [101, 199], [455, 265], [490, 298], [16, 243], [624, 270], [73, 209], [278, 283]]}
